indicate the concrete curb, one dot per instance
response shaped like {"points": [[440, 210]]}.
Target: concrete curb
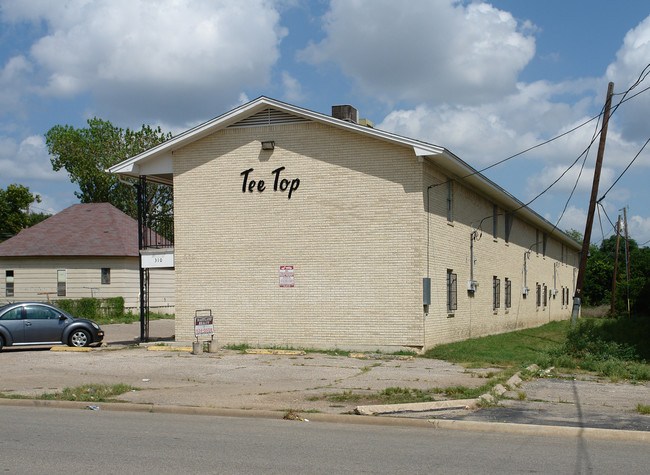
{"points": [[415, 407], [498, 427]]}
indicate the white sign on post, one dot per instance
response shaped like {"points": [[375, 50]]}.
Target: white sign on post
{"points": [[203, 326], [287, 276]]}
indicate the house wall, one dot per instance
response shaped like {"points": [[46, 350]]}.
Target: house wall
{"points": [[450, 248], [353, 230], [360, 235], [36, 279]]}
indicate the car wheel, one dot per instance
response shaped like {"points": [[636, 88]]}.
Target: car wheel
{"points": [[79, 338]]}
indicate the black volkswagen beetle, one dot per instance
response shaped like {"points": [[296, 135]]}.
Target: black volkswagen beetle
{"points": [[34, 323]]}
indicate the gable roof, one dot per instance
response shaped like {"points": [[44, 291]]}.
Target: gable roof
{"points": [[157, 162], [85, 229]]}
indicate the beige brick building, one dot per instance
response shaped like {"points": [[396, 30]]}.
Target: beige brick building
{"points": [[300, 229]]}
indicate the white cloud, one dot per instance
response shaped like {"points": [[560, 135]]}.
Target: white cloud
{"points": [[639, 228], [631, 58], [292, 88], [539, 182], [573, 218], [172, 60], [26, 160], [440, 51]]}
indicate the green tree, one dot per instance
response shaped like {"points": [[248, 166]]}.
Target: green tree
{"points": [[14, 209], [575, 234], [86, 153]]}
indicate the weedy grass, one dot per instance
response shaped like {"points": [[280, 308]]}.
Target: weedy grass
{"points": [[507, 349], [89, 393], [643, 408], [129, 318], [614, 348]]}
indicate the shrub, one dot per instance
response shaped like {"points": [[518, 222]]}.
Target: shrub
{"points": [[87, 308], [114, 306]]}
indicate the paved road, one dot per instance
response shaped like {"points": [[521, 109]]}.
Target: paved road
{"points": [[43, 440]]}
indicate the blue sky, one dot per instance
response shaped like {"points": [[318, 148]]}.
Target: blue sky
{"points": [[483, 79]]}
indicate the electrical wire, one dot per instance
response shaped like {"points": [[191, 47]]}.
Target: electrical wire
{"points": [[626, 169]]}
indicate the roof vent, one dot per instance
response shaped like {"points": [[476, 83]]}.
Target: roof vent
{"points": [[346, 113]]}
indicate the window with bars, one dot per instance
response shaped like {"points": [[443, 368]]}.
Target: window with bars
{"points": [[545, 296], [508, 292], [452, 292], [538, 295], [106, 275], [496, 292]]}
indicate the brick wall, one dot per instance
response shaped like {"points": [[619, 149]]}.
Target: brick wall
{"points": [[355, 229]]}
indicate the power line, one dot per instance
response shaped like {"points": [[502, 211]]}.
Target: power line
{"points": [[626, 168]]}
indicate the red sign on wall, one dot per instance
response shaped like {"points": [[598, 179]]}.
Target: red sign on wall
{"points": [[286, 276]]}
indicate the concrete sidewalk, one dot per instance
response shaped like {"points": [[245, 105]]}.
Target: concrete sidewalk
{"points": [[302, 383]]}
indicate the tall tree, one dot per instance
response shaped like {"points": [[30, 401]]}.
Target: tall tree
{"points": [[86, 153], [14, 209]]}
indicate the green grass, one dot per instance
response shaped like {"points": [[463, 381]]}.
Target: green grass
{"points": [[643, 408], [84, 393], [515, 348], [89, 393], [615, 348], [129, 318]]}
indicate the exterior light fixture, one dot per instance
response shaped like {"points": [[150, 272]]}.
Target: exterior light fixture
{"points": [[268, 145]]}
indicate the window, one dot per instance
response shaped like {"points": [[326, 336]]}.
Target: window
{"points": [[495, 221], [508, 225], [545, 296], [496, 293], [106, 275], [13, 314], [538, 295], [450, 204], [9, 283], [61, 283], [36, 312], [508, 293], [452, 294]]}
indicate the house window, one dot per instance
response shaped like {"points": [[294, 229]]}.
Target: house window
{"points": [[538, 295], [450, 204], [9, 283], [495, 221], [496, 292], [106, 275], [61, 280], [545, 296], [452, 294], [508, 293]]}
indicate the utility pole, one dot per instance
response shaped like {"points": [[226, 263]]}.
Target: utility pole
{"points": [[618, 238], [627, 260], [577, 297]]}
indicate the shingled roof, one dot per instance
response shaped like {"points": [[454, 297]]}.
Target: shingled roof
{"points": [[86, 229]]}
